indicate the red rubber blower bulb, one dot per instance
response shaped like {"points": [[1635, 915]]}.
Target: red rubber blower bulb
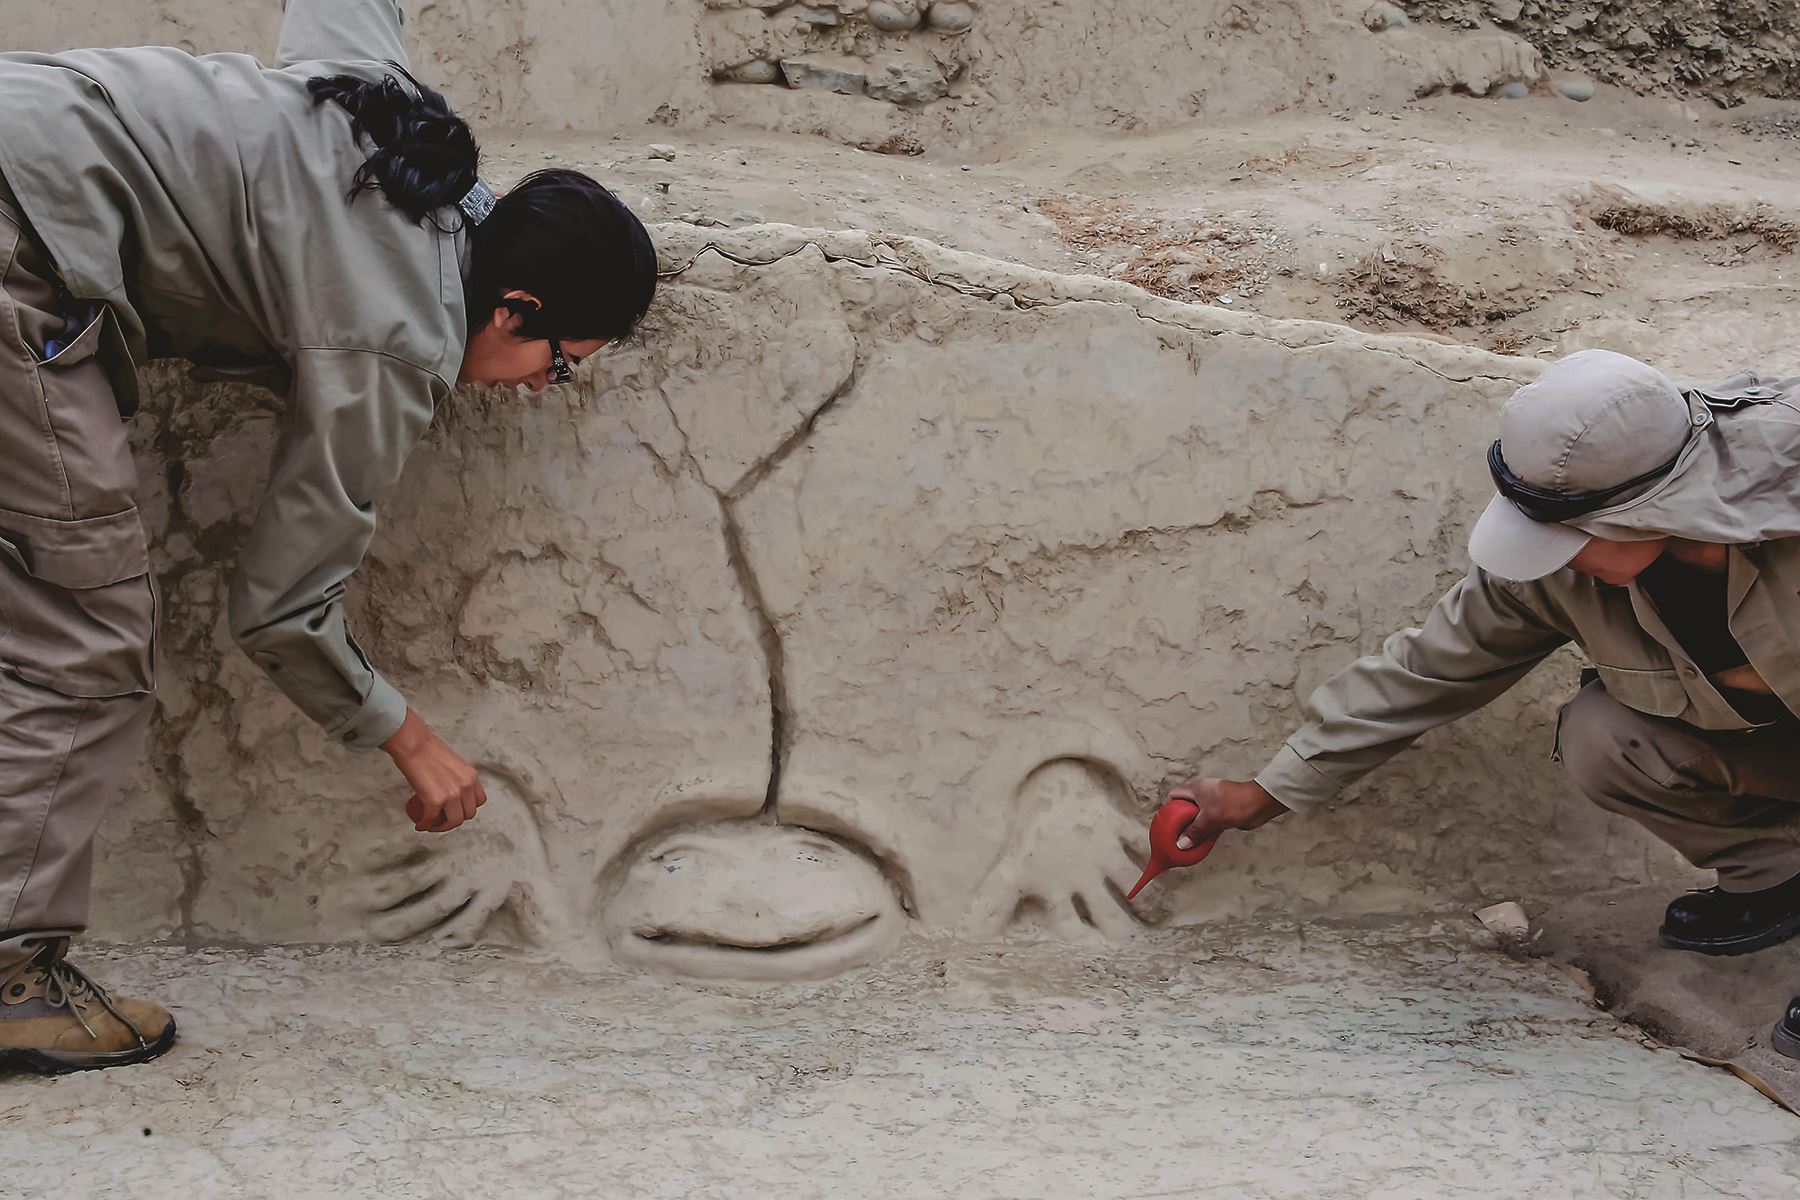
{"points": [[1165, 827]]}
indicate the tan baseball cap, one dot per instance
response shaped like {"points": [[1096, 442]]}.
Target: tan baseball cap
{"points": [[1590, 423]]}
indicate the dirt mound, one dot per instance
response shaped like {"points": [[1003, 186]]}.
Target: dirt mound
{"points": [[1724, 50]]}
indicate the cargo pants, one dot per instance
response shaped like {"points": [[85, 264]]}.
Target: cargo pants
{"points": [[1729, 801], [78, 607]]}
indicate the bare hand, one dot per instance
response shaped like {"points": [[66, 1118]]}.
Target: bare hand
{"points": [[1224, 804], [446, 790]]}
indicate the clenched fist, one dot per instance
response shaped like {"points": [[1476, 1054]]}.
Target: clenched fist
{"points": [[1224, 804]]}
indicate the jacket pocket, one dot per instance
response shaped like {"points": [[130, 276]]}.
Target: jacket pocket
{"points": [[78, 609], [1658, 693]]}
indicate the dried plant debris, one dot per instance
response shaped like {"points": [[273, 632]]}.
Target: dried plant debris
{"points": [[1624, 212], [1181, 257], [1410, 286]]}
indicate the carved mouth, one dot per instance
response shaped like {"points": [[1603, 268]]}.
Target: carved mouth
{"points": [[750, 900], [670, 937]]}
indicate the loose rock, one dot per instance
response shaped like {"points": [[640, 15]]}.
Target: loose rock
{"points": [[1576, 89], [815, 77], [1385, 16], [665, 153], [894, 16], [908, 85], [1507, 921], [951, 16], [757, 70], [1514, 91], [823, 17]]}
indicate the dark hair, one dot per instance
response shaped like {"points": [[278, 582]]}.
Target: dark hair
{"points": [[558, 235]]}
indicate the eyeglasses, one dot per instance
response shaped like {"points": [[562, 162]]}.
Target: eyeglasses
{"points": [[560, 371], [1540, 504]]}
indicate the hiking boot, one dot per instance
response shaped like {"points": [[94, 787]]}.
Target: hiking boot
{"points": [[1716, 922], [53, 1019], [1786, 1038]]}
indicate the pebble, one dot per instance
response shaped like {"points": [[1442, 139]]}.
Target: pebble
{"points": [[824, 17], [894, 16], [951, 16], [1514, 91], [665, 153], [757, 70], [1385, 16], [1576, 89]]}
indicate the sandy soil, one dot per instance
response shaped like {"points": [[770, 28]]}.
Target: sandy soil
{"points": [[1402, 1060], [1535, 226]]}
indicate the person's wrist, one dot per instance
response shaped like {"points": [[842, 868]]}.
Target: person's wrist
{"points": [[409, 739], [1256, 800]]}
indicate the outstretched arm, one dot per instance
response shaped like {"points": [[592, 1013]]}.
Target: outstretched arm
{"points": [[1480, 639], [354, 418]]}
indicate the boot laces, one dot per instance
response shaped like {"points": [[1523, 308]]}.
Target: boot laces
{"points": [[67, 986]]}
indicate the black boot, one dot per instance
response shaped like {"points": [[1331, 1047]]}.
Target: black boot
{"points": [[1717, 922], [1786, 1038]]}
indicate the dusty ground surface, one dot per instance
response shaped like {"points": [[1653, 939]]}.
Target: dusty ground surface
{"points": [[1535, 226], [1402, 1060], [1719, 1008]]}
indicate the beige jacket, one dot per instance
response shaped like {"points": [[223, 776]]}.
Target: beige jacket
{"points": [[200, 203], [1738, 485]]}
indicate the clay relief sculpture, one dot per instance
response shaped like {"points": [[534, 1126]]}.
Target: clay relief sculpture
{"points": [[895, 610]]}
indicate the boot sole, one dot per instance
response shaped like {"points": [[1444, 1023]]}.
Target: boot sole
{"points": [[1746, 943], [59, 1062], [1785, 1041]]}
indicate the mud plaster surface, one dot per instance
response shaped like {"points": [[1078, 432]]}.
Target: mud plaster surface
{"points": [[1398, 1061]]}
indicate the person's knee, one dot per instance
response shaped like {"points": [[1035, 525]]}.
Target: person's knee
{"points": [[1591, 738]]}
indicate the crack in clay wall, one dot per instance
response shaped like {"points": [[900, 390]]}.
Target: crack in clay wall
{"points": [[768, 637]]}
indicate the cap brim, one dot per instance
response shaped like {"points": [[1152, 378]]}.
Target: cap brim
{"points": [[1511, 545]]}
